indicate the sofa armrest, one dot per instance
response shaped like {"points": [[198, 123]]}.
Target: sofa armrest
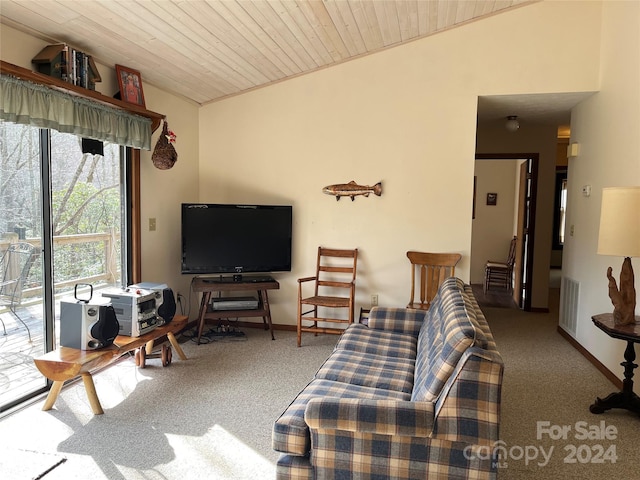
{"points": [[384, 417], [352, 438], [468, 408], [401, 320]]}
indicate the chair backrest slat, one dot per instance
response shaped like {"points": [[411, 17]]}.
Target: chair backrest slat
{"points": [[511, 259], [336, 268], [431, 269], [15, 264]]}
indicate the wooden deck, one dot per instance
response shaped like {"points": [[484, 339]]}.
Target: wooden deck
{"points": [[18, 374]]}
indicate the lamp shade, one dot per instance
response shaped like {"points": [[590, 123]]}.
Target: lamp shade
{"points": [[620, 222]]}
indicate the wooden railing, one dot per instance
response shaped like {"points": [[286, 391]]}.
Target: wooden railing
{"points": [[110, 273]]}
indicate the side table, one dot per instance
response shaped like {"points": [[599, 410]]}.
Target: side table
{"points": [[626, 399]]}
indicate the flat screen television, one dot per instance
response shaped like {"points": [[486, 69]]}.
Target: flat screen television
{"points": [[223, 238]]}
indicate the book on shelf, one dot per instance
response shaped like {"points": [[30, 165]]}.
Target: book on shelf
{"points": [[68, 64]]}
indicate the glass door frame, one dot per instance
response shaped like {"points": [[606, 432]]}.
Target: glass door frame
{"points": [[131, 240]]}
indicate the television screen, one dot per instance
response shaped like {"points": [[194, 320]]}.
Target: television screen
{"points": [[219, 238]]}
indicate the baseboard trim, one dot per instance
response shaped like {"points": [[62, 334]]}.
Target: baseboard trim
{"points": [[613, 378], [276, 326], [290, 328], [539, 309]]}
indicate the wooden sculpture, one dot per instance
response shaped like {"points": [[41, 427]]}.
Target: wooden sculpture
{"points": [[352, 189], [624, 298]]}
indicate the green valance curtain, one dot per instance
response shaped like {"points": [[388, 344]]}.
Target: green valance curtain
{"points": [[27, 103]]}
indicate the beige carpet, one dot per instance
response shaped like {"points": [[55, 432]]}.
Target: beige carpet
{"points": [[211, 416]]}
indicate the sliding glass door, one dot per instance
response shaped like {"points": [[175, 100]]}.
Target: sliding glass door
{"points": [[21, 308], [65, 201]]}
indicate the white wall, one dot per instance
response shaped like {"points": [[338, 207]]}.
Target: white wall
{"points": [[493, 226], [162, 192], [607, 127], [406, 116]]}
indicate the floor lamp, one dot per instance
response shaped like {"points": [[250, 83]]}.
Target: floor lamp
{"points": [[620, 236]]}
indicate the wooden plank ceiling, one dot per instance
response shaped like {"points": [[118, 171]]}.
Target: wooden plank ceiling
{"points": [[206, 50]]}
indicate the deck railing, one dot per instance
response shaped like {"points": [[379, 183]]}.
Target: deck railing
{"points": [[106, 270]]}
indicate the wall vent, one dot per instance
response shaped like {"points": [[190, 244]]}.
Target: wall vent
{"points": [[569, 297]]}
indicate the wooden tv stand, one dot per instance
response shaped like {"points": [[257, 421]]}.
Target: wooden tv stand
{"points": [[223, 284]]}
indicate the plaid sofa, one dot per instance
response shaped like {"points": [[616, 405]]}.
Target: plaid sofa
{"points": [[413, 395]]}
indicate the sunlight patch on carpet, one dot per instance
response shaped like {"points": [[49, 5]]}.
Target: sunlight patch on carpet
{"points": [[225, 457]]}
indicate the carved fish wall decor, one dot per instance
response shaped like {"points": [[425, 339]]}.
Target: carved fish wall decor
{"points": [[352, 189]]}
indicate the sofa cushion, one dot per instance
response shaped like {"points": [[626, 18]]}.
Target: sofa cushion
{"points": [[396, 319], [369, 370], [291, 433], [449, 330], [359, 338]]}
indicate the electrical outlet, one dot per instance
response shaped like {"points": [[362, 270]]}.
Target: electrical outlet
{"points": [[374, 300]]}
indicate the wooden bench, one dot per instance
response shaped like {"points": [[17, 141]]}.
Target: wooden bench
{"points": [[67, 363]]}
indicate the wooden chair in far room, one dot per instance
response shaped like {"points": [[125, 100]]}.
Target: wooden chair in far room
{"points": [[334, 288], [429, 270], [500, 274], [15, 265]]}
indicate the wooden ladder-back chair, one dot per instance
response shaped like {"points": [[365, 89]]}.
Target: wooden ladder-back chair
{"points": [[334, 288], [430, 270], [501, 273], [14, 268]]}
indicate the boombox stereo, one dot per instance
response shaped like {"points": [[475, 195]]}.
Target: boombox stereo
{"points": [[85, 324], [136, 309], [166, 303]]}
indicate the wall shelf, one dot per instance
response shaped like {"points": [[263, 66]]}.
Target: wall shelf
{"points": [[55, 83]]}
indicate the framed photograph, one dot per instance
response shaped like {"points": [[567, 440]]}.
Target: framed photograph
{"points": [[492, 198], [130, 84]]}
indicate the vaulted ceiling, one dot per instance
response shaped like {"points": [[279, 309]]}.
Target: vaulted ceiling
{"points": [[206, 50]]}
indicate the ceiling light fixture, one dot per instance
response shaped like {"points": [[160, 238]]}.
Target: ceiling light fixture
{"points": [[512, 123]]}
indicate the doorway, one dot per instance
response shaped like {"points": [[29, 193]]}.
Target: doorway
{"points": [[522, 222]]}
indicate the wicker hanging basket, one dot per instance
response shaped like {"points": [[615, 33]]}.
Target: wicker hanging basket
{"points": [[164, 156]]}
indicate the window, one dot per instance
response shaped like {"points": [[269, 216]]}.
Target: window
{"points": [[560, 211], [74, 209]]}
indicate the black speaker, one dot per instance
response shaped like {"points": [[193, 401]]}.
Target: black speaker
{"points": [[105, 330], [167, 310], [94, 147]]}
